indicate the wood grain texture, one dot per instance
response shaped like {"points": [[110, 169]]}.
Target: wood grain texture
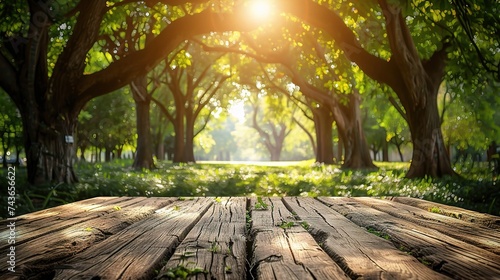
{"points": [[490, 221], [136, 251], [360, 253], [289, 252], [443, 253], [216, 245], [472, 233], [234, 238], [33, 225], [58, 245]]}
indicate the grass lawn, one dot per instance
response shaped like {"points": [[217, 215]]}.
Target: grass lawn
{"points": [[476, 189]]}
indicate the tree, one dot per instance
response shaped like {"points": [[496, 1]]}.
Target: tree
{"points": [[106, 123], [396, 128], [273, 120], [38, 35], [117, 41], [194, 89], [414, 75], [470, 121], [326, 101], [216, 142]]}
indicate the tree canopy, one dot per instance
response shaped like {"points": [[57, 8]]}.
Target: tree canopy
{"points": [[56, 56]]}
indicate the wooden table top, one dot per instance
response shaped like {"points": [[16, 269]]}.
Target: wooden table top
{"points": [[253, 238]]}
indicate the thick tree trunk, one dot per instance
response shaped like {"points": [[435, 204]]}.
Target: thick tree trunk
{"points": [[417, 90], [349, 124], [414, 80], [357, 152], [275, 148], [323, 123], [144, 150], [49, 150], [430, 157], [275, 153]]}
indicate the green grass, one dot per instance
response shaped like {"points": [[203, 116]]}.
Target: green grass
{"points": [[476, 189]]}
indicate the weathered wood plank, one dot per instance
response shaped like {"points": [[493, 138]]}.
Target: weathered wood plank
{"points": [[130, 238], [216, 245], [43, 251], [286, 253], [474, 234], [443, 253], [362, 254], [488, 220], [33, 225], [136, 251]]}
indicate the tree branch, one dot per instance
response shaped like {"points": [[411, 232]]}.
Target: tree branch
{"points": [[8, 79], [119, 73], [329, 21], [163, 109]]}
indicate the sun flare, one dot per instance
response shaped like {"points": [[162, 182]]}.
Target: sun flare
{"points": [[260, 9]]}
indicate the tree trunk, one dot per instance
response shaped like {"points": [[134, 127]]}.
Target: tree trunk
{"points": [[415, 81], [323, 123], [340, 150], [108, 154], [275, 153], [430, 157], [179, 143], [417, 89], [49, 150], [82, 152], [398, 147], [385, 151], [311, 138], [189, 144], [160, 150], [144, 151], [119, 151], [349, 124]]}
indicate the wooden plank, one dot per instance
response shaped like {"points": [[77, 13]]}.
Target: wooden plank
{"points": [[286, 253], [361, 254], [488, 220], [216, 245], [443, 253], [138, 250], [43, 251], [475, 234], [33, 225], [86, 204]]}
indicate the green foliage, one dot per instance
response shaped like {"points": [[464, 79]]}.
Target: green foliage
{"points": [[286, 225], [379, 233], [180, 272], [305, 225], [476, 190], [260, 205], [107, 122]]}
